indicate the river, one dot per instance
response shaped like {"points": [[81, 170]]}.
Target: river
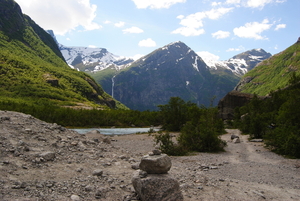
{"points": [[116, 131]]}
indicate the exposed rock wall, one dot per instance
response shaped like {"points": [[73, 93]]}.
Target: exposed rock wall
{"points": [[231, 101]]}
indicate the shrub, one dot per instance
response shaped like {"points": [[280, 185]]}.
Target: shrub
{"points": [[168, 146]]}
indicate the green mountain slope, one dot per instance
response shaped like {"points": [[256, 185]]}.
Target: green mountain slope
{"points": [[32, 68], [273, 73]]}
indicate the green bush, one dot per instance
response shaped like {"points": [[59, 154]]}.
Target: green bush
{"points": [[200, 128], [168, 146], [203, 135]]}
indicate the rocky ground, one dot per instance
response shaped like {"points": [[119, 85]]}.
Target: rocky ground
{"points": [[41, 161]]}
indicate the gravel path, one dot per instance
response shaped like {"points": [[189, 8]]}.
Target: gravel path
{"points": [[245, 171]]}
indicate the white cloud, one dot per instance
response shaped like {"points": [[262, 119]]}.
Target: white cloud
{"points": [[92, 46], [61, 16], [188, 31], [280, 26], [216, 3], [191, 24], [240, 48], [217, 13], [156, 4], [180, 17], [120, 24], [207, 56], [221, 34], [248, 3], [107, 22], [147, 43], [133, 30], [253, 30], [258, 3]]}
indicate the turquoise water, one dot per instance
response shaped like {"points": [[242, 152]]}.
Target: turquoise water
{"points": [[115, 131]]}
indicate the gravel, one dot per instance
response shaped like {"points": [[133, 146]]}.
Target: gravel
{"points": [[42, 161]]}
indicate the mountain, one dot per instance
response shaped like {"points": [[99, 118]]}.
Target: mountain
{"points": [[241, 63], [273, 73], [33, 70], [174, 70], [92, 59]]}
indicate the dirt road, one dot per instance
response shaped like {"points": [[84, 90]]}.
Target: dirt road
{"points": [[246, 171]]}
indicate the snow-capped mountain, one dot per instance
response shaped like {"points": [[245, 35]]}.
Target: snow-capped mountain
{"points": [[174, 70], [241, 63], [92, 59]]}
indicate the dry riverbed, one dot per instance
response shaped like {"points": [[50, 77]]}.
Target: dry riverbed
{"points": [[41, 161]]}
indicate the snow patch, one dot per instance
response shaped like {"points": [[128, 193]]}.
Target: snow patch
{"points": [[195, 64]]}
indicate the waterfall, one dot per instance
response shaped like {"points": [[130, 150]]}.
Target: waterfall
{"points": [[112, 86]]}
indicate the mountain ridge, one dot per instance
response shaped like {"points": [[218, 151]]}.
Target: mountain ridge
{"points": [[241, 63], [92, 59], [273, 73]]}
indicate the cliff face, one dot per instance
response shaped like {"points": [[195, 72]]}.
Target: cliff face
{"points": [[11, 17], [232, 100]]}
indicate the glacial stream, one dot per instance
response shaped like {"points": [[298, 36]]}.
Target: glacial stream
{"points": [[116, 131]]}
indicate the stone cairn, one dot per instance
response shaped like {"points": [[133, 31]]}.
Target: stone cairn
{"points": [[152, 181]]}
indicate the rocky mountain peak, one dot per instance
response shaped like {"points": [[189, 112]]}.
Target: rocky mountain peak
{"points": [[91, 59], [241, 63]]}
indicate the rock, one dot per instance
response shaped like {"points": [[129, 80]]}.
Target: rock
{"points": [[88, 188], [256, 140], [53, 82], [143, 174], [236, 140], [231, 101], [75, 198], [234, 136], [161, 187], [93, 132], [156, 164], [48, 156], [97, 172], [156, 152], [135, 166], [107, 140]]}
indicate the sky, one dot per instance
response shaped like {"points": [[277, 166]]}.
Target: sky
{"points": [[215, 29]]}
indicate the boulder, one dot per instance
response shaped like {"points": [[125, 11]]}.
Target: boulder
{"points": [[234, 136], [97, 172], [48, 156], [236, 140], [162, 187], [156, 164]]}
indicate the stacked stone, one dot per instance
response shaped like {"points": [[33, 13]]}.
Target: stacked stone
{"points": [[152, 181]]}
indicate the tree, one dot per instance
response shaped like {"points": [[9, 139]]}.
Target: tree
{"points": [[174, 114]]}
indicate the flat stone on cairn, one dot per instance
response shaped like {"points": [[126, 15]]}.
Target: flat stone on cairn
{"points": [[156, 164]]}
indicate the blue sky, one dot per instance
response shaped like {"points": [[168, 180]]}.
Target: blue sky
{"points": [[216, 29]]}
